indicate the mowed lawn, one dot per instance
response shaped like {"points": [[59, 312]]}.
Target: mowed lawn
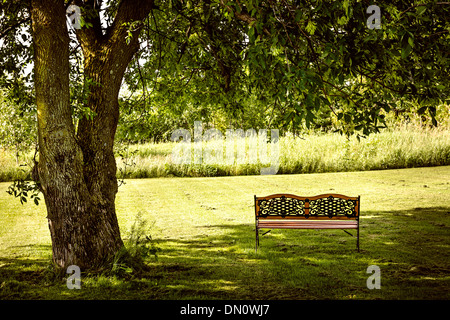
{"points": [[203, 229]]}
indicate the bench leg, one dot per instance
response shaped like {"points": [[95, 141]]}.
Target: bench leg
{"points": [[357, 238], [257, 240]]}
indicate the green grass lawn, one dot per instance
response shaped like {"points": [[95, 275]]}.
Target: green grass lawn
{"points": [[204, 231]]}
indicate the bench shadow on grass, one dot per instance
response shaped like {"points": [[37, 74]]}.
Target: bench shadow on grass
{"points": [[410, 246]]}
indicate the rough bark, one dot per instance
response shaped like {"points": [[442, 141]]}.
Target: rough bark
{"points": [[77, 170]]}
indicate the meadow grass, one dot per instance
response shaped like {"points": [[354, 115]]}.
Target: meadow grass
{"points": [[203, 229], [402, 147]]}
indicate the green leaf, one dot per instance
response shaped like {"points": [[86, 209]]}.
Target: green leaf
{"points": [[421, 110], [421, 10], [406, 51], [347, 118], [311, 27]]}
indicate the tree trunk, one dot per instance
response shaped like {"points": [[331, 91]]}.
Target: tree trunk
{"points": [[77, 170]]}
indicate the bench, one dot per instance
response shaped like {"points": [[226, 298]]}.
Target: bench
{"points": [[288, 211]]}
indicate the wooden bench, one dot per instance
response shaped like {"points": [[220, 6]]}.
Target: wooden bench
{"points": [[325, 211]]}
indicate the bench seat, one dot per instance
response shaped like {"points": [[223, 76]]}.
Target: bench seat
{"points": [[307, 224], [288, 211]]}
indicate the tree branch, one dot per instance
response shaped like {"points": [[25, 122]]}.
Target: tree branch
{"points": [[421, 5], [90, 35], [129, 11], [243, 16], [240, 15], [4, 32]]}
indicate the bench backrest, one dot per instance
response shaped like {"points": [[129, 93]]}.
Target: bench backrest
{"points": [[324, 206]]}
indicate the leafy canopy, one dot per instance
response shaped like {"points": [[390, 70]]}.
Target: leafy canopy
{"points": [[286, 63], [265, 63]]}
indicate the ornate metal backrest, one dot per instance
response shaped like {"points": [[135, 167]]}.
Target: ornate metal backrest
{"points": [[289, 206]]}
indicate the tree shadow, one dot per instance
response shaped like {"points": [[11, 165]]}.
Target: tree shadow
{"points": [[24, 277], [409, 246]]}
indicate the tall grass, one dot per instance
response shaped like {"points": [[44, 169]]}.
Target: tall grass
{"points": [[10, 170], [402, 147]]}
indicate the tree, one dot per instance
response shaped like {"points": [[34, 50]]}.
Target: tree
{"points": [[77, 168], [296, 56]]}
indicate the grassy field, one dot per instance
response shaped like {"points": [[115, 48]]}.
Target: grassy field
{"points": [[203, 229], [402, 147]]}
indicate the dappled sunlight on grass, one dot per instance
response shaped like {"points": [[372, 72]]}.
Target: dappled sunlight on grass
{"points": [[204, 230]]}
